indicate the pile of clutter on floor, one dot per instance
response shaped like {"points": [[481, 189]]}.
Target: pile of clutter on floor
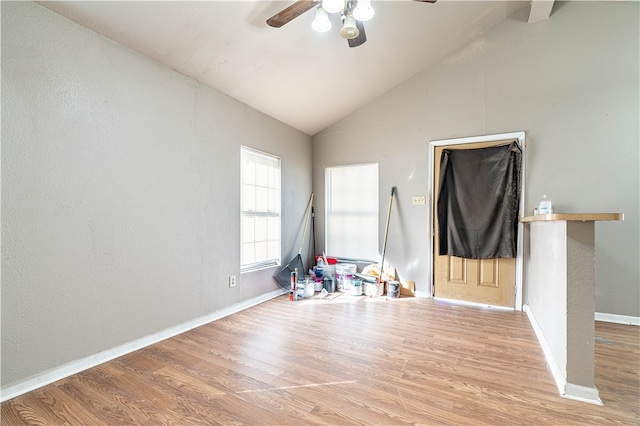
{"points": [[329, 276]]}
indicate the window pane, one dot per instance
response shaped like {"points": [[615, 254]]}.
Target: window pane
{"points": [[247, 229], [274, 248], [248, 198], [261, 250], [262, 199], [274, 201], [262, 175], [248, 253], [261, 229], [273, 229]]}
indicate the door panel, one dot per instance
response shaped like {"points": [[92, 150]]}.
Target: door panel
{"points": [[486, 281], [457, 270], [488, 273]]}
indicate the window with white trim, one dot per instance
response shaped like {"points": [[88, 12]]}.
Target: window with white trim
{"points": [[351, 228], [259, 210]]}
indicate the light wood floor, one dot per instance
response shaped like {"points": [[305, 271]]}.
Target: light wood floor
{"points": [[346, 361]]}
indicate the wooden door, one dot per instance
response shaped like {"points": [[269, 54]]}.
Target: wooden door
{"points": [[486, 281]]}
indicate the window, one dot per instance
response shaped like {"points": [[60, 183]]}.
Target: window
{"points": [[352, 211], [259, 210]]}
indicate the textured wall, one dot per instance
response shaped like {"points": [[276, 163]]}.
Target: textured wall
{"points": [[570, 82], [580, 303], [120, 194]]}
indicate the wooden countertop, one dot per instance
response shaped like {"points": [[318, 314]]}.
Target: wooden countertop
{"points": [[572, 216]]}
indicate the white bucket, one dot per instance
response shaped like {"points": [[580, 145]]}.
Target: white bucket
{"points": [[374, 289], [309, 289], [345, 273], [304, 289]]}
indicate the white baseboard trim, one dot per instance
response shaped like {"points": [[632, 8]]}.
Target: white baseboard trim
{"points": [[558, 375], [473, 304], [618, 319], [582, 393], [423, 294], [74, 367]]}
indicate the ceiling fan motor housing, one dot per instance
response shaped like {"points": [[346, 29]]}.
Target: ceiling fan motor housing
{"points": [[352, 28]]}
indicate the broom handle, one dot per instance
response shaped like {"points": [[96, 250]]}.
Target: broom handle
{"points": [[306, 223], [313, 229], [386, 231]]}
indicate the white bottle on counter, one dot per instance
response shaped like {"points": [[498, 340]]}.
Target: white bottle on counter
{"points": [[544, 205]]}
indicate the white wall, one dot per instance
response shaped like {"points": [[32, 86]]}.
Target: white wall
{"points": [[571, 82], [120, 194], [547, 300]]}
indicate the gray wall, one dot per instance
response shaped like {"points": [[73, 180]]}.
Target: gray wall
{"points": [[120, 194], [571, 82]]}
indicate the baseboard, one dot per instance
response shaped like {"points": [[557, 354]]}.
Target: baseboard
{"points": [[423, 294], [582, 393], [618, 319], [557, 373], [473, 304], [102, 357]]}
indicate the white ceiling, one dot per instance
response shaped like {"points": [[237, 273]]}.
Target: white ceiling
{"points": [[305, 79]]}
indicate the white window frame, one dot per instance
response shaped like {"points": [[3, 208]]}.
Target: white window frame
{"points": [[352, 211], [260, 210]]}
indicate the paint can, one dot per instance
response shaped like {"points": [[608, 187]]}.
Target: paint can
{"points": [[356, 287], [317, 278], [345, 273], [328, 271], [373, 289], [393, 289], [300, 290], [329, 278], [329, 284]]}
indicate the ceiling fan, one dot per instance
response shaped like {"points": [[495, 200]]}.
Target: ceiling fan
{"points": [[353, 13]]}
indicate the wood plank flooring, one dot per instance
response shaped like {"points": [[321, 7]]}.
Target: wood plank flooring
{"points": [[349, 360]]}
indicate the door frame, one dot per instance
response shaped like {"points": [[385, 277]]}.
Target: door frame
{"points": [[520, 138]]}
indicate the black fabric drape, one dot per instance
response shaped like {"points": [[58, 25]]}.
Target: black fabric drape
{"points": [[478, 202]]}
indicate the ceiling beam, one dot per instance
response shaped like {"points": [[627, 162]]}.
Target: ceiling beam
{"points": [[540, 10]]}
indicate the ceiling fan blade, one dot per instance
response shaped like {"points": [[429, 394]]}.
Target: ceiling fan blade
{"points": [[362, 37], [426, 1], [290, 13]]}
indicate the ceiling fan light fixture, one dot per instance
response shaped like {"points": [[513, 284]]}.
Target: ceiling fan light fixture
{"points": [[349, 29], [321, 22], [333, 6], [363, 11]]}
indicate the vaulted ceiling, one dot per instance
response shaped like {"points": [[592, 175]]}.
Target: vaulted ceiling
{"points": [[303, 78]]}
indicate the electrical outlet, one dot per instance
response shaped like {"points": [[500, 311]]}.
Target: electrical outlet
{"points": [[232, 281], [420, 200]]}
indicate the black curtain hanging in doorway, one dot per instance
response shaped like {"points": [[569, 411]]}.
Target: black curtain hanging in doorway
{"points": [[478, 202]]}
